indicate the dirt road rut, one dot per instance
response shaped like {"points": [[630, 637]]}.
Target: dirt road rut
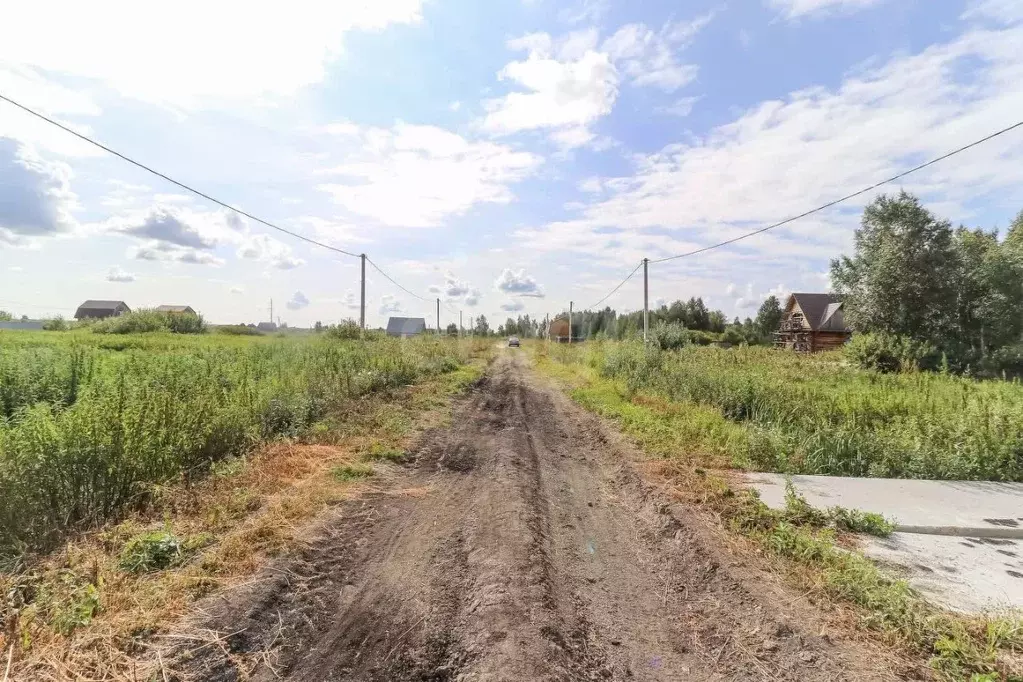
{"points": [[518, 544]]}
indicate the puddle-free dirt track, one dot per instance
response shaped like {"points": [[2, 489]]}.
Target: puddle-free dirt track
{"points": [[517, 544]]}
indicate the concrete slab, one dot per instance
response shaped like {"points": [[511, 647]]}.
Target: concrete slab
{"points": [[962, 508], [960, 542], [971, 575]]}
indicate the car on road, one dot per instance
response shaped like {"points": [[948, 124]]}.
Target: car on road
{"points": [[513, 342]]}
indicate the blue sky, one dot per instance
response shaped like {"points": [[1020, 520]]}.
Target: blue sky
{"points": [[508, 157]]}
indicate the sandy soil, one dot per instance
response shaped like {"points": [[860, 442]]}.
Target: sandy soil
{"points": [[518, 544]]}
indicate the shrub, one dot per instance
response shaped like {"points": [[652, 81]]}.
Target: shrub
{"points": [[237, 330], [891, 353], [57, 324], [140, 321], [186, 323], [152, 551], [669, 336], [1006, 361], [347, 330], [352, 472]]}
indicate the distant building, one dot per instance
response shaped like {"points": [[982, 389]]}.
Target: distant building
{"points": [[267, 326], [93, 310], [179, 309], [558, 331], [405, 326], [811, 323]]}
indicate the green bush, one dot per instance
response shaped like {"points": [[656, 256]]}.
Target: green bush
{"points": [[140, 321], [347, 330], [238, 330], [86, 432], [56, 324], [891, 353], [669, 336], [186, 323]]}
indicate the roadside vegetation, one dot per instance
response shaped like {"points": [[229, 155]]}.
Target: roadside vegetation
{"points": [[702, 411], [140, 478], [88, 432]]}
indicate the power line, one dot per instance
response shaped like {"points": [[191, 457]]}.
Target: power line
{"points": [[391, 280], [173, 181], [845, 198], [620, 284]]}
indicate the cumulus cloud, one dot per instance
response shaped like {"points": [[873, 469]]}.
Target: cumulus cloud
{"points": [[163, 225], [752, 301], [389, 304], [472, 299], [781, 157], [436, 174], [218, 65], [351, 301], [268, 250], [518, 283], [455, 289], [118, 275], [298, 301], [512, 306], [565, 84], [195, 257], [35, 196]]}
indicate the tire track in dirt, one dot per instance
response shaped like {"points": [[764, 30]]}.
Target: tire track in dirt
{"points": [[518, 544]]}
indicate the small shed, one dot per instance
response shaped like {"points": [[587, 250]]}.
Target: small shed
{"points": [[558, 331], [96, 310], [175, 309], [811, 323], [405, 326]]}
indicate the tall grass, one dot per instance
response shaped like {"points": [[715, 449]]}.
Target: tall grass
{"points": [[87, 431], [816, 415]]}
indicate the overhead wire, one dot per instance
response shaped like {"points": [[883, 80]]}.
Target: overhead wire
{"points": [[197, 192], [845, 198], [391, 280], [171, 180], [620, 285]]}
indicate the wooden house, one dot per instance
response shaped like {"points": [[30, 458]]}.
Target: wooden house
{"points": [[97, 310], [558, 331], [811, 323], [175, 309]]}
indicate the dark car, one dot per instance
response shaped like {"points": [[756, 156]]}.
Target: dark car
{"points": [[513, 342]]}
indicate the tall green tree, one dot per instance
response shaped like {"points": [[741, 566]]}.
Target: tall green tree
{"points": [[768, 317], [901, 278]]}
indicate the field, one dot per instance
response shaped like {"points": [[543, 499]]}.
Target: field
{"points": [[760, 409], [92, 426]]}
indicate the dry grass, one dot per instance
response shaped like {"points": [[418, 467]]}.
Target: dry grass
{"points": [[76, 614]]}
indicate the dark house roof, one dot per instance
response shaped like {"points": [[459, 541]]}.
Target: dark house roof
{"points": [[102, 305], [175, 309], [823, 312], [405, 326]]}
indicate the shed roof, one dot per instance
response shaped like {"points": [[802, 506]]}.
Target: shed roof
{"points": [[102, 305], [405, 326], [821, 311], [174, 309]]}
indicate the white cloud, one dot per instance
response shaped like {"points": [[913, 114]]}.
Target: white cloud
{"points": [[298, 301], [119, 275], [52, 99], [566, 88], [237, 290], [436, 174], [565, 85], [648, 57], [792, 9], [389, 304], [518, 283], [455, 106], [472, 299], [35, 195], [681, 107], [167, 55], [268, 250], [163, 225], [195, 257], [512, 306], [782, 157], [351, 301], [454, 289], [585, 12]]}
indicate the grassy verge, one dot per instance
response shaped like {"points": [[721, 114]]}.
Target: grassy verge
{"points": [[86, 610], [695, 443]]}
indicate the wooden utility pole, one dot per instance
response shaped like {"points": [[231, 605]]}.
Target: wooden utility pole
{"points": [[438, 316], [646, 299], [570, 322], [362, 305]]}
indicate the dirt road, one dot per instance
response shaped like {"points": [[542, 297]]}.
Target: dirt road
{"points": [[519, 544]]}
